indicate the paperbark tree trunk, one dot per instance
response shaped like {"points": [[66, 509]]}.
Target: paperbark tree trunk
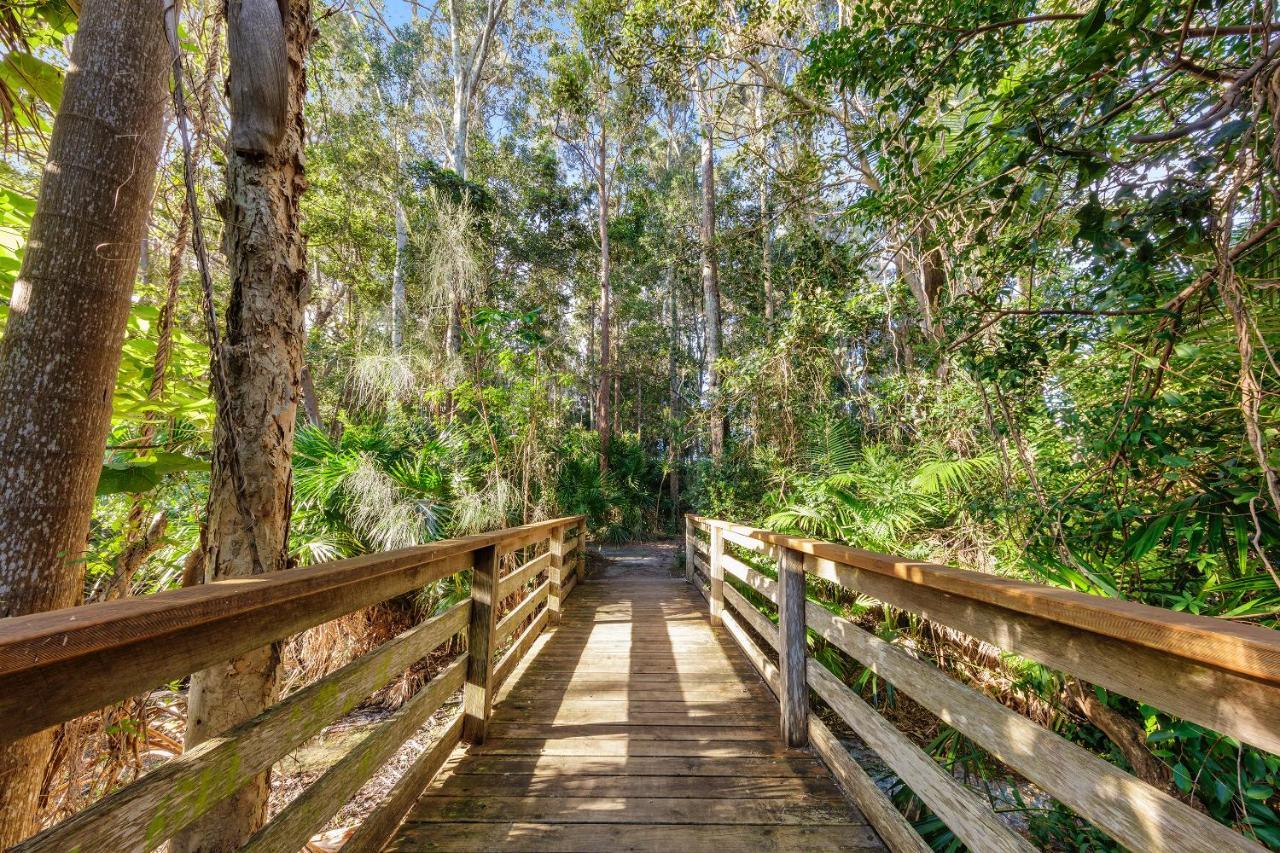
{"points": [[710, 273], [468, 72], [606, 300], [61, 347], [592, 361], [251, 484]]}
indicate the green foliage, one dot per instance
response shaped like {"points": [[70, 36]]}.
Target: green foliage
{"points": [[374, 488], [620, 503], [144, 473], [31, 69]]}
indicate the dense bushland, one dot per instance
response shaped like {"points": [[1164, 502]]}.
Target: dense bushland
{"points": [[990, 283]]}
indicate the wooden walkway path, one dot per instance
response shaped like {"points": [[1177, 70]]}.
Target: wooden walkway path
{"points": [[634, 725], [624, 720]]}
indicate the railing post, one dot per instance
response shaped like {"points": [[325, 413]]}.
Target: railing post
{"points": [[716, 567], [690, 537], [477, 698], [792, 650], [556, 547], [580, 561]]}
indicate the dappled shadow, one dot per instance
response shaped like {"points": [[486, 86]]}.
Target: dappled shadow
{"points": [[635, 716]]}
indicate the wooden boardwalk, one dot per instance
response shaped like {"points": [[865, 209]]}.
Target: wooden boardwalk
{"points": [[634, 725]]}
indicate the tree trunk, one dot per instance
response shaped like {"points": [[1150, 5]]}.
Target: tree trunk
{"points": [[251, 484], [61, 347], [309, 401], [766, 227], [461, 101], [458, 153], [673, 384], [590, 364], [606, 307], [710, 273], [135, 552], [927, 280], [397, 279]]}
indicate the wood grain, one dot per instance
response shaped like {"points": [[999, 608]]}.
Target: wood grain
{"points": [[1231, 704], [970, 818], [555, 573], [634, 723], [169, 798], [1127, 809], [507, 664], [512, 621], [896, 831], [689, 541], [477, 695], [792, 649], [521, 576], [377, 829], [58, 665], [639, 838], [715, 571], [1235, 647], [311, 810], [762, 584]]}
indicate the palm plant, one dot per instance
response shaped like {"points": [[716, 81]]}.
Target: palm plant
{"points": [[873, 504], [368, 490]]}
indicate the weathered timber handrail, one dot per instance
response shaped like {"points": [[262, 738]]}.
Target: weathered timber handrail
{"points": [[1235, 647], [78, 651], [1221, 674], [1128, 809], [58, 665]]}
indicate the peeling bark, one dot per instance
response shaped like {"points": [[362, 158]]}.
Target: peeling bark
{"points": [[251, 484]]}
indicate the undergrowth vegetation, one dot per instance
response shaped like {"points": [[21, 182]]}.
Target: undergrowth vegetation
{"points": [[987, 283]]}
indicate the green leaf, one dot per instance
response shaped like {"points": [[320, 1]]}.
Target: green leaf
{"points": [[1138, 14], [1182, 777], [1093, 21], [144, 475], [24, 72]]}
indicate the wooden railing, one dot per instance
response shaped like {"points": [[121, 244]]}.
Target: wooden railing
{"points": [[1223, 675], [56, 666]]}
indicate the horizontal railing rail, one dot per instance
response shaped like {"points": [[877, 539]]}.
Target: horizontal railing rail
{"points": [[1221, 674], [59, 665]]}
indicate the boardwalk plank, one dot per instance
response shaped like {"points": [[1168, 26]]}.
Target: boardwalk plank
{"points": [[633, 838], [635, 725]]}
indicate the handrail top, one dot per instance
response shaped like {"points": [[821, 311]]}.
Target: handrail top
{"points": [[40, 637], [1249, 650]]}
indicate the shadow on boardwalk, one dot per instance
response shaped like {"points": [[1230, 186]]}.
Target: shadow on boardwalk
{"points": [[634, 725]]}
